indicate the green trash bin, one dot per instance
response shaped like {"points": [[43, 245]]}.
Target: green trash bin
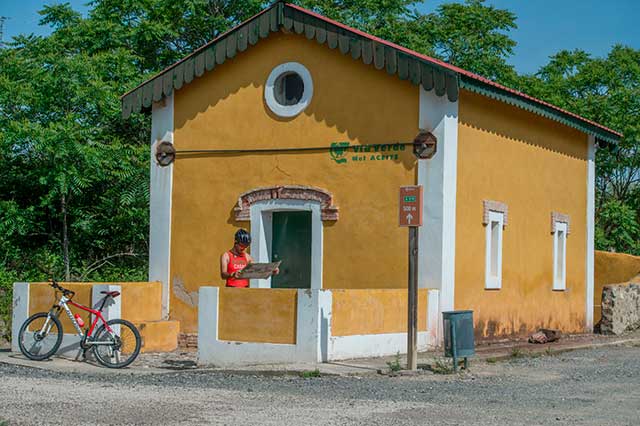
{"points": [[458, 336]]}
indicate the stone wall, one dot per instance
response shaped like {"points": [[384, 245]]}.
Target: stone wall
{"points": [[611, 268], [187, 340], [620, 308]]}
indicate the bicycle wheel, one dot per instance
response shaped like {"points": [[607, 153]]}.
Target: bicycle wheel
{"points": [[40, 336], [124, 344]]}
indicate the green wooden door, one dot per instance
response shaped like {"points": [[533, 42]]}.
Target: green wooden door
{"points": [[291, 244]]}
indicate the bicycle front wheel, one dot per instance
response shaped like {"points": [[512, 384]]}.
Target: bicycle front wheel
{"points": [[120, 346], [40, 336]]}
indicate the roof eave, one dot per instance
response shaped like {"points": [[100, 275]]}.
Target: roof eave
{"points": [[431, 73]]}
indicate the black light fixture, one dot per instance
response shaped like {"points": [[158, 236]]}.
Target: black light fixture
{"points": [[425, 145]]}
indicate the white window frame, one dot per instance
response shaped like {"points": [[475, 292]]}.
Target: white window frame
{"points": [[493, 281], [560, 259], [288, 111]]}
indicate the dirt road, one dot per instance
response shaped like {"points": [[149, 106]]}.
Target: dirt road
{"points": [[588, 387]]}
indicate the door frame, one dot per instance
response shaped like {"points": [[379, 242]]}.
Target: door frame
{"points": [[261, 214]]}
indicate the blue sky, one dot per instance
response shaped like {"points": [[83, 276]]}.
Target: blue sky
{"points": [[544, 26]]}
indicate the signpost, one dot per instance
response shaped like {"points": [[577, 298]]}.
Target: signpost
{"points": [[411, 216]]}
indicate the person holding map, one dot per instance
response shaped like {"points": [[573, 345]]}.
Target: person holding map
{"points": [[235, 260]]}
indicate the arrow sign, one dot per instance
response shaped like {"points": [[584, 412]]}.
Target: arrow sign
{"points": [[410, 211]]}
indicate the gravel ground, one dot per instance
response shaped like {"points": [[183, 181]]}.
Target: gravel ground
{"points": [[587, 387]]}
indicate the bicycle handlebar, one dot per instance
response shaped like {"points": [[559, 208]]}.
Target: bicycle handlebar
{"points": [[64, 291]]}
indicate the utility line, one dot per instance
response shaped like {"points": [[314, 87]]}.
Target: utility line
{"points": [[361, 149]]}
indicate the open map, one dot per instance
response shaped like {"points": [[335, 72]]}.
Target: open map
{"points": [[258, 270]]}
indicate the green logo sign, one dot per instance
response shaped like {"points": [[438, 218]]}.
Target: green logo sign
{"points": [[341, 152], [338, 151], [410, 199]]}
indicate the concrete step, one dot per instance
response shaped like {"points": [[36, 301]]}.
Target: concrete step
{"points": [[158, 336]]}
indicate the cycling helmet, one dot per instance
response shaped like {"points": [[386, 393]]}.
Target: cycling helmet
{"points": [[243, 237]]}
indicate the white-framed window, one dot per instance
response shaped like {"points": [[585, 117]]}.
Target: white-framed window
{"points": [[493, 250], [560, 256], [289, 89]]}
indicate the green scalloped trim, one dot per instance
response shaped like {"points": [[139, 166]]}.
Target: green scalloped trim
{"points": [[536, 108]]}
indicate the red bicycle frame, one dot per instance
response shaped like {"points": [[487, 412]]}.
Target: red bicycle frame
{"points": [[96, 313]]}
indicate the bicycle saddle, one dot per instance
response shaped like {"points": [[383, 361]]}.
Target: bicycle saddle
{"points": [[113, 294]]}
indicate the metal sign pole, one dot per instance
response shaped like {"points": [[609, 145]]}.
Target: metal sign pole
{"points": [[412, 327]]}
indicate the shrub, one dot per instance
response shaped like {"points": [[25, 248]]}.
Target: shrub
{"points": [[7, 278]]}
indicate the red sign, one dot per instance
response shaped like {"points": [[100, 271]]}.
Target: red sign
{"points": [[411, 205]]}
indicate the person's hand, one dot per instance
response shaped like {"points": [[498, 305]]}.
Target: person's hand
{"points": [[276, 271], [235, 274]]}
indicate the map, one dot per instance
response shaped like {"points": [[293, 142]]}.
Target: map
{"points": [[258, 270]]}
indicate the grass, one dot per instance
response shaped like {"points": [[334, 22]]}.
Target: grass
{"points": [[442, 366], [516, 353], [394, 365], [519, 353], [305, 375]]}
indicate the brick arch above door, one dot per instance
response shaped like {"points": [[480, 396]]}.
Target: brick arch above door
{"points": [[329, 212]]}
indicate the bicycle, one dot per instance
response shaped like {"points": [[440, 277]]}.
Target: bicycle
{"points": [[116, 343]]}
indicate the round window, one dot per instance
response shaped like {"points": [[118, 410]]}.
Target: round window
{"points": [[289, 89]]}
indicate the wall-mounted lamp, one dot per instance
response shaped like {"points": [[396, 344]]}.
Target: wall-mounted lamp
{"points": [[425, 145], [165, 153]]}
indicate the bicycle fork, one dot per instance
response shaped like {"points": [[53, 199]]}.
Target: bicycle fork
{"points": [[46, 327]]}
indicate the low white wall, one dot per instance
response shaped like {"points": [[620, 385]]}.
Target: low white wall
{"points": [[20, 312], [373, 345], [70, 347], [314, 341], [212, 350]]}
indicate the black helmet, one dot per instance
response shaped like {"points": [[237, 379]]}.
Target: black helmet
{"points": [[243, 237]]}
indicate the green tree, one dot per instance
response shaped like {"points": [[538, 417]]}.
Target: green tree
{"points": [[388, 19], [617, 228], [63, 150], [470, 35], [156, 32]]}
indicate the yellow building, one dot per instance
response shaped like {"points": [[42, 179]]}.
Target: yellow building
{"points": [[301, 130]]}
